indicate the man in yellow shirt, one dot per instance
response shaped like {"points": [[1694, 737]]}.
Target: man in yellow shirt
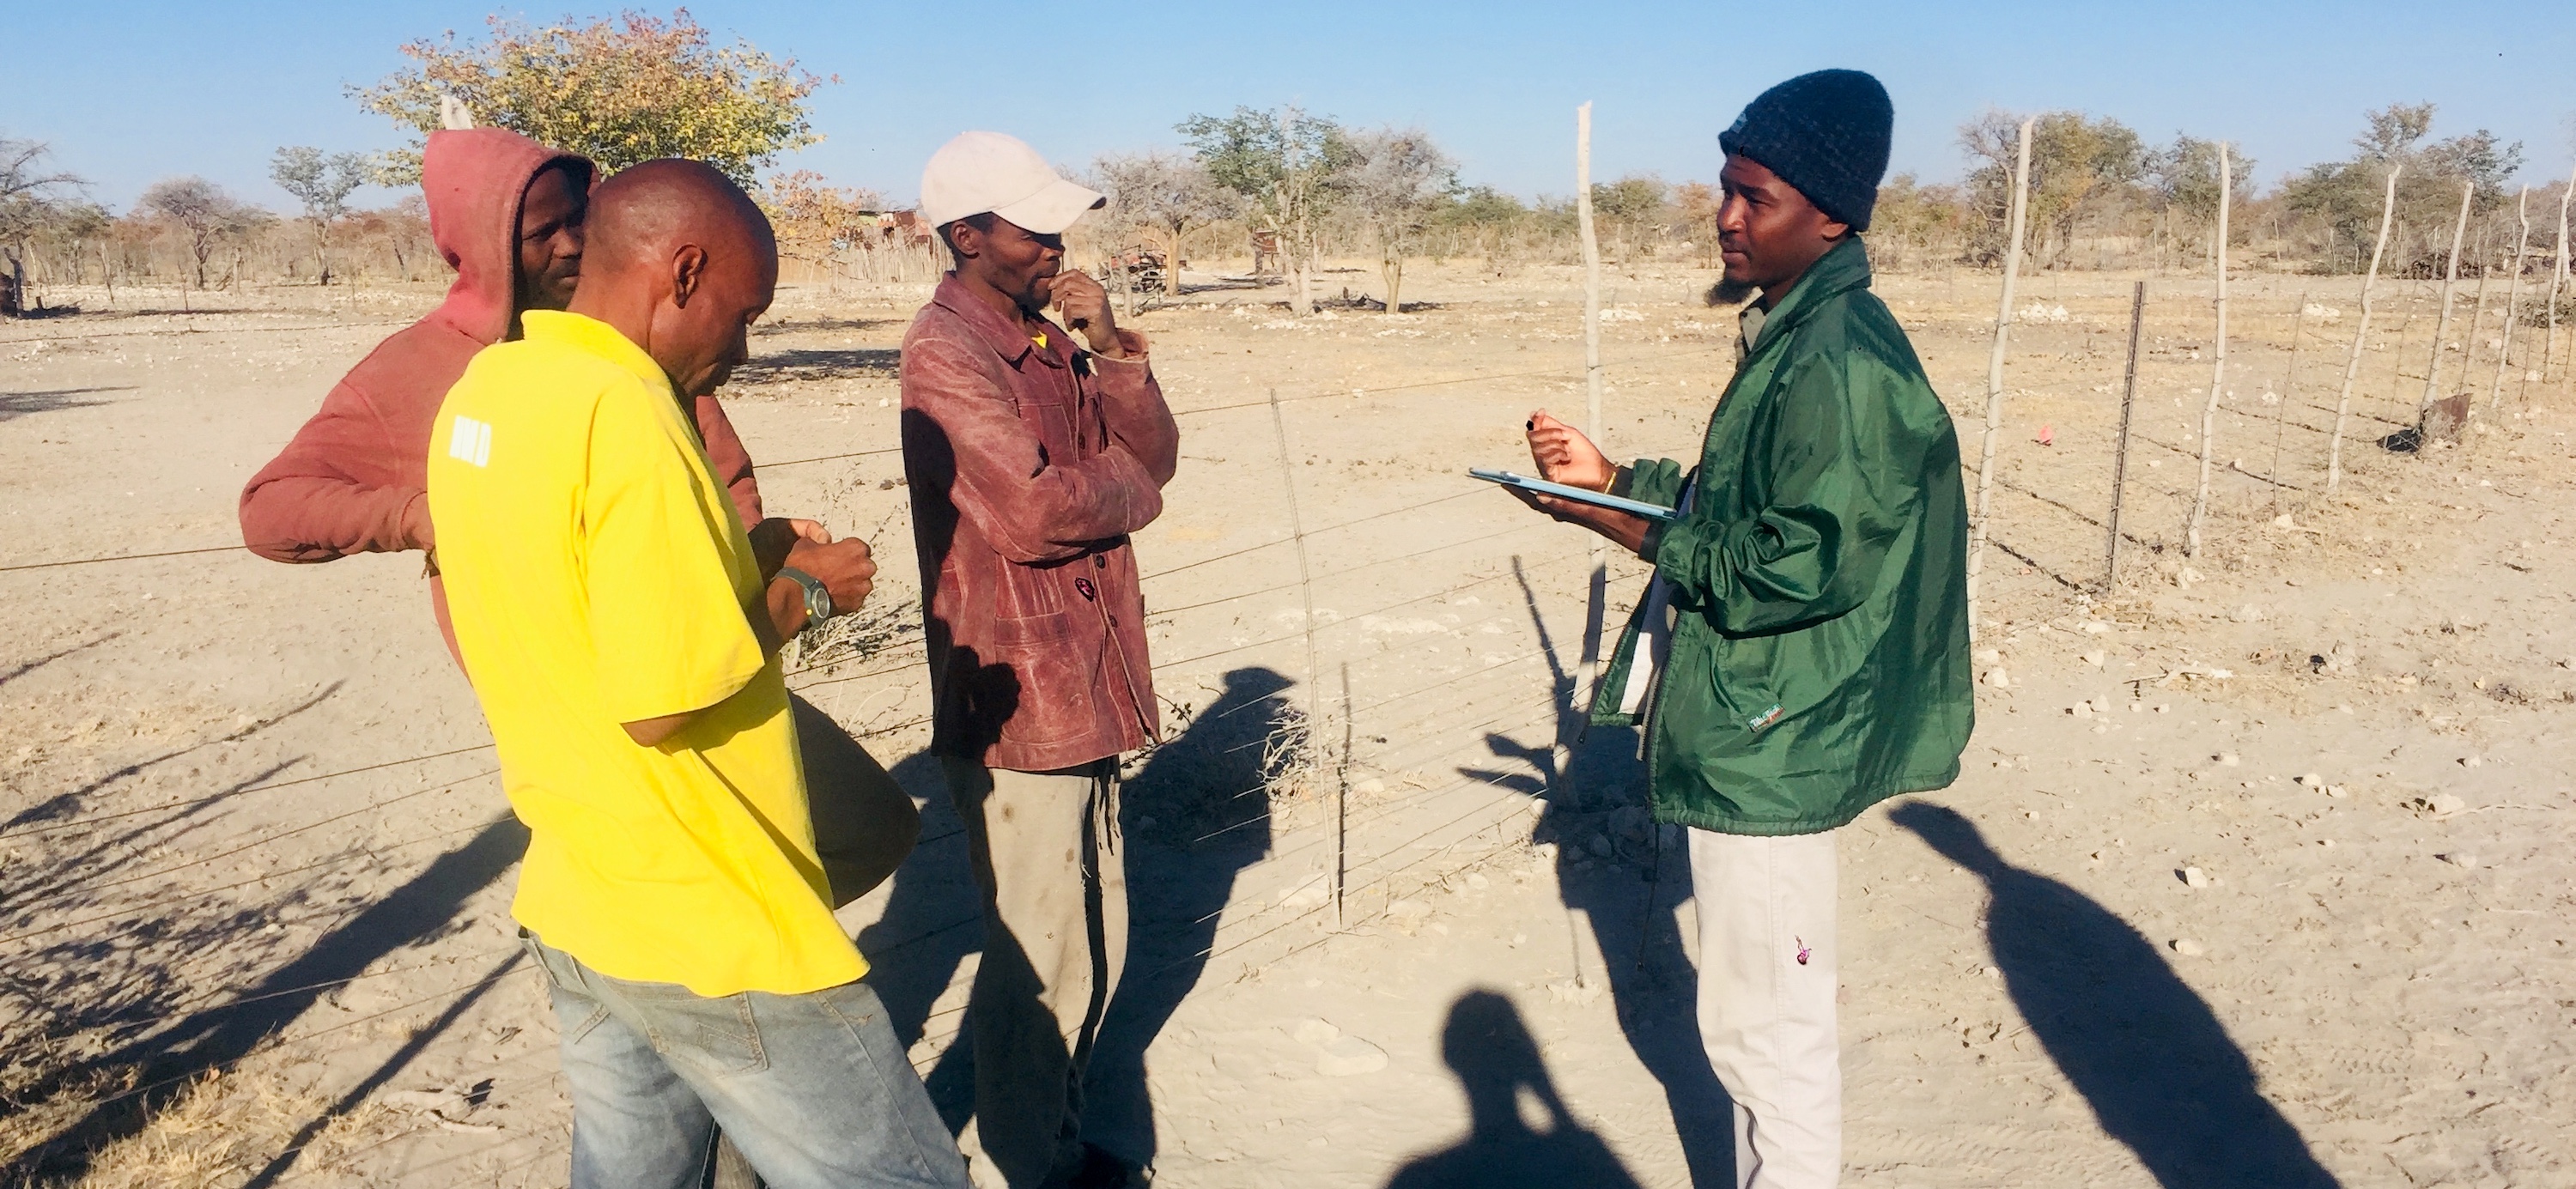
{"points": [[612, 613]]}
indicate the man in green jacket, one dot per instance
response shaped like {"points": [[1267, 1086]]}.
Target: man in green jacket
{"points": [[1802, 652]]}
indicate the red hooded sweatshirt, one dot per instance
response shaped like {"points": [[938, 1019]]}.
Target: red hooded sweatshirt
{"points": [[356, 477]]}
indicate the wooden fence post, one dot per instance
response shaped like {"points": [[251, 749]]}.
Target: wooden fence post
{"points": [[2289, 388], [2120, 451], [1995, 377], [1591, 374], [2513, 293], [2217, 371], [2442, 328], [1305, 579], [2360, 333], [2558, 278]]}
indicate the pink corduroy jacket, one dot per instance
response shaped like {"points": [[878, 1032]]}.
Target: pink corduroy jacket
{"points": [[355, 479]]}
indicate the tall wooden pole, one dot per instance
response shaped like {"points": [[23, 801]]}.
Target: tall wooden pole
{"points": [[1995, 377], [2360, 333], [2557, 279], [2513, 293], [2450, 279], [2120, 451], [2217, 371], [2289, 389], [1305, 576], [1591, 370]]}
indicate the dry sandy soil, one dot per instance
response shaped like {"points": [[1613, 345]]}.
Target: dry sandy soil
{"points": [[2256, 855]]}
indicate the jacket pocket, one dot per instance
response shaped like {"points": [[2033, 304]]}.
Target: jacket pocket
{"points": [[1056, 675], [1024, 631], [1742, 676]]}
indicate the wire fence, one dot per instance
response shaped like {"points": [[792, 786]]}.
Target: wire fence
{"points": [[2058, 473], [1443, 703]]}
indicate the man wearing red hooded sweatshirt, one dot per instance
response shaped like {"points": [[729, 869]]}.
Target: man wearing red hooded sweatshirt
{"points": [[507, 214]]}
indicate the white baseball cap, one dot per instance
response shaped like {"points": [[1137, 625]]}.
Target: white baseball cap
{"points": [[987, 171]]}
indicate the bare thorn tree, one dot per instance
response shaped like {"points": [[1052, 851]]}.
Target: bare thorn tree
{"points": [[202, 212], [1393, 186], [1171, 195], [322, 182], [30, 198]]}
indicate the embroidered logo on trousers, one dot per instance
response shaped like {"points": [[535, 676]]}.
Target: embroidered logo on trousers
{"points": [[1803, 951], [470, 441]]}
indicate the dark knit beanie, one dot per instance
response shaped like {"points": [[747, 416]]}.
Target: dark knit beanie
{"points": [[1825, 133]]}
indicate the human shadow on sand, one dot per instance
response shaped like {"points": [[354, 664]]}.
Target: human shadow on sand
{"points": [[1195, 816], [1498, 1065], [2158, 1068], [1610, 868]]}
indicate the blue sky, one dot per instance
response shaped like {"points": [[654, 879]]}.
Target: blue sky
{"points": [[130, 92]]}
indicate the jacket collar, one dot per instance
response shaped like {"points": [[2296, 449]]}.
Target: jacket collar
{"points": [[1842, 268], [1006, 337], [590, 336]]}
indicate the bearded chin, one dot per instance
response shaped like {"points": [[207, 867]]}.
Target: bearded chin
{"points": [[1731, 292]]}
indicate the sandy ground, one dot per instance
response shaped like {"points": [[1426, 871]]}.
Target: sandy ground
{"points": [[2252, 863]]}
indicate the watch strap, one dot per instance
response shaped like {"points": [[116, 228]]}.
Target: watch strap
{"points": [[818, 597]]}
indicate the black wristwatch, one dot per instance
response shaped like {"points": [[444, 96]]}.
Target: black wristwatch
{"points": [[818, 597]]}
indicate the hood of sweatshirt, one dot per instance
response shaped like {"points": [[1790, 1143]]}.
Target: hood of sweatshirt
{"points": [[475, 180]]}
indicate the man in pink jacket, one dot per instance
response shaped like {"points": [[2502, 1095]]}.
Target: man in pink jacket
{"points": [[507, 214]]}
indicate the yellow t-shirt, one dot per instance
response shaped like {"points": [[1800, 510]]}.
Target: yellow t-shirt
{"points": [[597, 574]]}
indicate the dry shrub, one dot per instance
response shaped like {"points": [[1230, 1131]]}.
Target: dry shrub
{"points": [[219, 1129]]}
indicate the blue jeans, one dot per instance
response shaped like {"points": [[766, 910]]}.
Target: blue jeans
{"points": [[813, 1089]]}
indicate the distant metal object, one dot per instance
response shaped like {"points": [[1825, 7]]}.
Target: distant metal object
{"points": [[1139, 271]]}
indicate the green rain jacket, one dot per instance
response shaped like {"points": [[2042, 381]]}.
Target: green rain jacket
{"points": [[1819, 659]]}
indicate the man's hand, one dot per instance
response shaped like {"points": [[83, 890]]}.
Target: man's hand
{"points": [[773, 539], [1567, 457], [1626, 531], [845, 567], [1085, 308]]}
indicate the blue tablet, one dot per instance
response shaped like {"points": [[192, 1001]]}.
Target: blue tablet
{"points": [[1613, 502]]}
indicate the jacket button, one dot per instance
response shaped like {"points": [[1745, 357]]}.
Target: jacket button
{"points": [[1099, 562]]}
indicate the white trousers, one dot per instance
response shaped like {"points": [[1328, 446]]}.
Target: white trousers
{"points": [[1767, 962]]}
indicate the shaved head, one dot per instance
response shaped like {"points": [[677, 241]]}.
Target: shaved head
{"points": [[644, 213], [681, 261]]}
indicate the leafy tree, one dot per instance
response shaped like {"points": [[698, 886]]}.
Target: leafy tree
{"points": [[1632, 208], [30, 199], [202, 212], [616, 90], [1287, 165], [1481, 221], [1915, 219], [1171, 196], [322, 182], [1394, 186], [817, 222], [2078, 167], [2342, 198], [2182, 181], [1696, 205]]}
